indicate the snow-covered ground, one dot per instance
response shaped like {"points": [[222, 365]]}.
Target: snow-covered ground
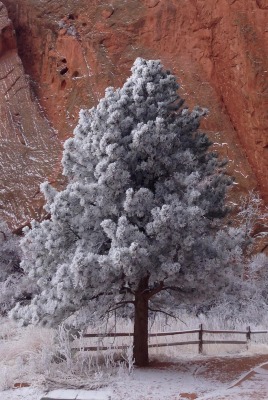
{"points": [[31, 355], [203, 379]]}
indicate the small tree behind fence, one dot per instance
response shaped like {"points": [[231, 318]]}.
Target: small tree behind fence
{"points": [[200, 341]]}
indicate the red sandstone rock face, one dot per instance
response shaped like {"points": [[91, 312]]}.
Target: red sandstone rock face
{"points": [[28, 148], [217, 48]]}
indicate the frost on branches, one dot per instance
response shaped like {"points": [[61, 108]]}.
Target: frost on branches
{"points": [[14, 285], [138, 220]]}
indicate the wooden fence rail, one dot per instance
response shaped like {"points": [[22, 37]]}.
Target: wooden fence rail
{"points": [[200, 341]]}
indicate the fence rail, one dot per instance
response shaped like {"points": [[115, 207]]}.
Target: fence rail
{"points": [[200, 342], [120, 334]]}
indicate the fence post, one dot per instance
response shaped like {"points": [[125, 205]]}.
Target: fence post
{"points": [[248, 334], [200, 337]]}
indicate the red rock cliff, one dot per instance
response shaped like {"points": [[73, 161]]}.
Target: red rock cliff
{"points": [[217, 48], [28, 146]]}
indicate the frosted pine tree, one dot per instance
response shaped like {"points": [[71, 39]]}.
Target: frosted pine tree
{"points": [[137, 222]]}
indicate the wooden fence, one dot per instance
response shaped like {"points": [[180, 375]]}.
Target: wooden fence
{"points": [[200, 341]]}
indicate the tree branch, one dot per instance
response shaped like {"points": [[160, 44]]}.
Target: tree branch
{"points": [[160, 287], [176, 289], [5, 236], [96, 296], [162, 312], [156, 289], [166, 313], [120, 304], [75, 234]]}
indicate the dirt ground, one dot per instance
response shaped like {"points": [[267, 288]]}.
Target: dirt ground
{"points": [[244, 377], [223, 369]]}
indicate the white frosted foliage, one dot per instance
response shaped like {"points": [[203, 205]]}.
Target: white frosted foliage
{"points": [[14, 284], [143, 202]]}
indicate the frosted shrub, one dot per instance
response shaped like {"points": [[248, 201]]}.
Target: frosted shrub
{"points": [[15, 286], [46, 357]]}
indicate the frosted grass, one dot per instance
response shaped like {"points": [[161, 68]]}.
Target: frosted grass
{"points": [[46, 357]]}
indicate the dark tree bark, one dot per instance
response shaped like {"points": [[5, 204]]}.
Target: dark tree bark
{"points": [[140, 350]]}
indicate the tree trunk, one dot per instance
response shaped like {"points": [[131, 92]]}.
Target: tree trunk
{"points": [[140, 351]]}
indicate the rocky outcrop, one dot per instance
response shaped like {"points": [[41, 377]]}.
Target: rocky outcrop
{"points": [[7, 39], [218, 48], [28, 147]]}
